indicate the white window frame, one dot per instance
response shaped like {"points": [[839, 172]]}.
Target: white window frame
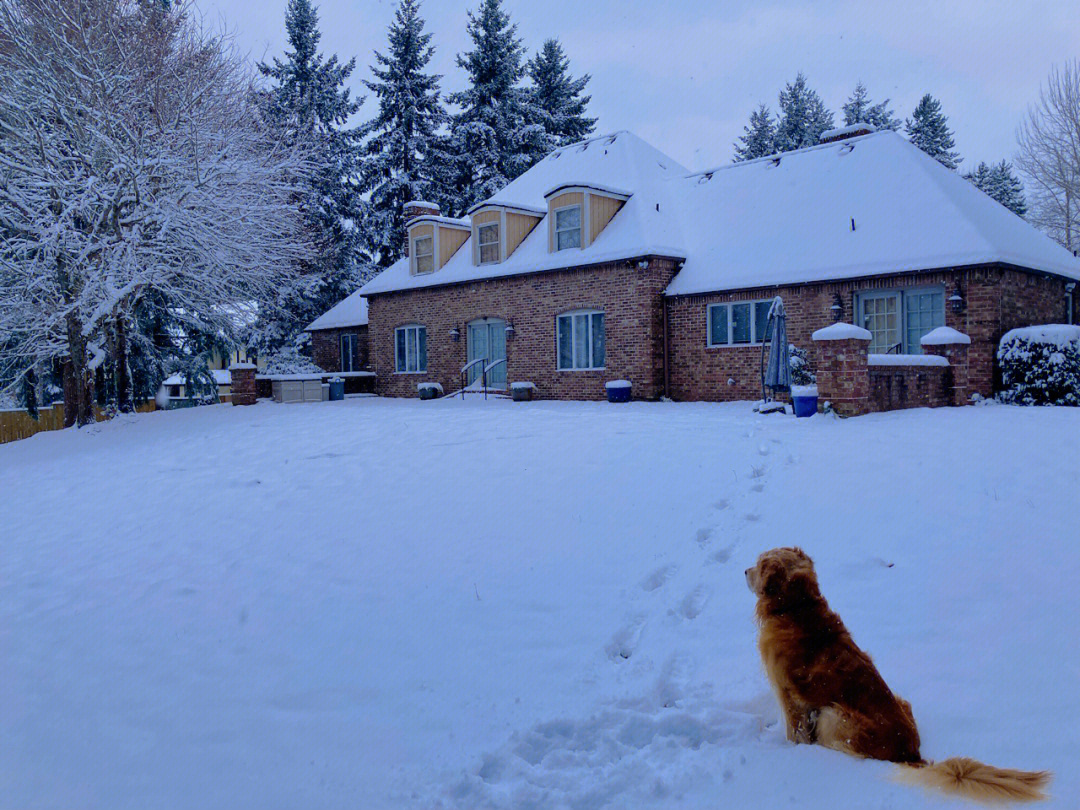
{"points": [[417, 254], [902, 310], [756, 330], [588, 315], [480, 244], [580, 227], [414, 328]]}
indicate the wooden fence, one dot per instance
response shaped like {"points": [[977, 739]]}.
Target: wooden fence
{"points": [[16, 425]]}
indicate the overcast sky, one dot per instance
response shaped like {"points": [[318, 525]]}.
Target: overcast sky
{"points": [[685, 75]]}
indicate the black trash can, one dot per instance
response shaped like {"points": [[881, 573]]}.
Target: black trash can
{"points": [[337, 389]]}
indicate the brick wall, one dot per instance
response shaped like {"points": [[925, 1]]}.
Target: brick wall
{"points": [[326, 348], [895, 387], [630, 298], [997, 298]]}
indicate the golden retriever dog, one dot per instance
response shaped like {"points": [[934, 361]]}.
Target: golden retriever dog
{"points": [[831, 693]]}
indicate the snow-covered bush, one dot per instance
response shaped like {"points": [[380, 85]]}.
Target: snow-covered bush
{"points": [[799, 362], [289, 361], [1040, 365]]}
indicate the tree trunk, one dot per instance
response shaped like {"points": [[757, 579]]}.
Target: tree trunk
{"points": [[78, 385], [122, 372]]}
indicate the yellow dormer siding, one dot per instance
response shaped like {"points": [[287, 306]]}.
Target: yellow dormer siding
{"points": [[513, 224], [432, 241], [596, 208]]}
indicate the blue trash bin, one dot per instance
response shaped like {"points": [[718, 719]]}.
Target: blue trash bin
{"points": [[337, 389], [804, 399], [618, 391]]}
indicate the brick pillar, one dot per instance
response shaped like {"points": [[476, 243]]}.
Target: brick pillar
{"points": [[953, 346], [843, 376], [243, 383]]}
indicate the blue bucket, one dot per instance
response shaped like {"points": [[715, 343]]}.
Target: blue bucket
{"points": [[805, 403]]}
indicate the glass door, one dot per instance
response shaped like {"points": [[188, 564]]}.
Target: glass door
{"points": [[487, 341], [880, 313]]}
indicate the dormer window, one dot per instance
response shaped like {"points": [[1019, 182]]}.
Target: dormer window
{"points": [[424, 250], [488, 239], [568, 227]]}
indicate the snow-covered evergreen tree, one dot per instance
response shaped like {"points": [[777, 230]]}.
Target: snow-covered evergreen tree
{"points": [[308, 102], [497, 134], [803, 116], [759, 136], [1000, 182], [403, 150], [858, 110], [928, 129], [558, 95]]}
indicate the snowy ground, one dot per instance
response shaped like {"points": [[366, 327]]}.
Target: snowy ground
{"points": [[400, 604]]}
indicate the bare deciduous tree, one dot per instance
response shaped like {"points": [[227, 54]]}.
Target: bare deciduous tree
{"points": [[133, 162], [1049, 156]]}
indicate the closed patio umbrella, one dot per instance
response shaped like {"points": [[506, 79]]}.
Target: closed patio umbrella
{"points": [[777, 370]]}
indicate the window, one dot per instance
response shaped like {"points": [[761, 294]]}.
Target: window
{"points": [[424, 250], [581, 341], [487, 237], [740, 323], [568, 227], [348, 352], [410, 349], [897, 319]]}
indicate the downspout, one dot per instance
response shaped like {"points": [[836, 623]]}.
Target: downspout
{"points": [[666, 369], [1069, 313]]}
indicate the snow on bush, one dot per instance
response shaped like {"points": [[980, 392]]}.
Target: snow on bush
{"points": [[429, 386], [290, 361], [802, 373], [1040, 365]]}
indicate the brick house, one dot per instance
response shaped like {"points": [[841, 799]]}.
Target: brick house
{"points": [[607, 260], [339, 337]]}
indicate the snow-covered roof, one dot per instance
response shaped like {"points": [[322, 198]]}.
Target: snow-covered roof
{"points": [[870, 205], [352, 311], [866, 205], [620, 160], [221, 377], [450, 222]]}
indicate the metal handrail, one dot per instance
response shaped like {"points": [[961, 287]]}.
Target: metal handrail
{"points": [[465, 371], [489, 368]]}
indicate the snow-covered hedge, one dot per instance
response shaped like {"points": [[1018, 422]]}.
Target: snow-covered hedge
{"points": [[290, 361], [1040, 365]]}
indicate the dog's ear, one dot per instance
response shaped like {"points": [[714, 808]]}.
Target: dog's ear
{"points": [[799, 588], [773, 575]]}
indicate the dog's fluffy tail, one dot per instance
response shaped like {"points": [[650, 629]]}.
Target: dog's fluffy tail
{"points": [[966, 777]]}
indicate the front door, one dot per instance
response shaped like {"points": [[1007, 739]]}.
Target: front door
{"points": [[487, 341]]}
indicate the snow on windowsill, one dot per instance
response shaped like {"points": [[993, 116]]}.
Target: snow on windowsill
{"points": [[906, 360]]}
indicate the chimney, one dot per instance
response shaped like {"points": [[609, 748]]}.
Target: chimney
{"points": [[414, 209], [843, 133]]}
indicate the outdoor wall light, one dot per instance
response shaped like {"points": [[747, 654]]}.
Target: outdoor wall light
{"points": [[509, 330], [455, 334], [837, 307], [956, 300]]}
